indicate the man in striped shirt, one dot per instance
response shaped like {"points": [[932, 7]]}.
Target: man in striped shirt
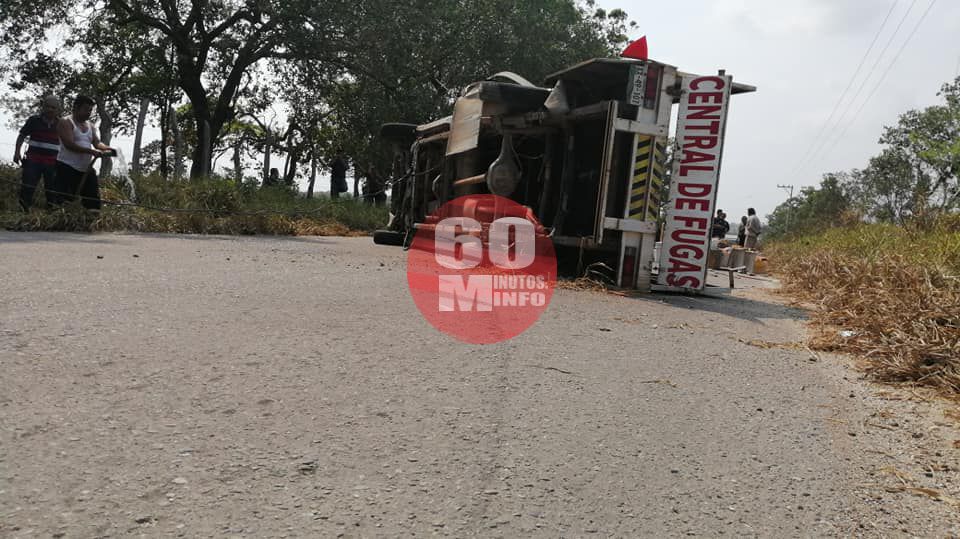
{"points": [[43, 142]]}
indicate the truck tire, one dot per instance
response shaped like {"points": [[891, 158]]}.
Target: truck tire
{"points": [[388, 237]]}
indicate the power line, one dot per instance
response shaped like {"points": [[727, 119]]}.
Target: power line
{"points": [[843, 95], [887, 71], [823, 141]]}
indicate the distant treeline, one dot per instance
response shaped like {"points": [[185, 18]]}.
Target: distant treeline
{"points": [[915, 180]]}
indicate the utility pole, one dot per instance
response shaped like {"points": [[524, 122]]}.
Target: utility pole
{"points": [[789, 189]]}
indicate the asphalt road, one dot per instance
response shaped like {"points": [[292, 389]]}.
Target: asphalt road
{"points": [[288, 387]]}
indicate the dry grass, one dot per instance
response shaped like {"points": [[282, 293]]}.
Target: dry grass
{"points": [[140, 220], [582, 283], [758, 343], [906, 483], [890, 296]]}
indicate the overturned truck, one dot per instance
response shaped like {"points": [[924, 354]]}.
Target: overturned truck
{"points": [[588, 155]]}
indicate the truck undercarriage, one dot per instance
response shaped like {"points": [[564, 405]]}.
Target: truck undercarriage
{"points": [[587, 154]]}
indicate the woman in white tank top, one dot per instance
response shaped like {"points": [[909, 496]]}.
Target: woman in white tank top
{"points": [[79, 145]]}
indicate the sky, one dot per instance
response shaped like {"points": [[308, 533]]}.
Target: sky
{"points": [[802, 57]]}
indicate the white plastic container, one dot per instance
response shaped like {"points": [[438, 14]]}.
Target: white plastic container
{"points": [[725, 258], [736, 258], [749, 260]]}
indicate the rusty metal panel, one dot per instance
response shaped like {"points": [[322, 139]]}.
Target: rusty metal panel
{"points": [[465, 127]]}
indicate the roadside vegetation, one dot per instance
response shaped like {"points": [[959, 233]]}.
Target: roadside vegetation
{"points": [[889, 295], [877, 253], [203, 206]]}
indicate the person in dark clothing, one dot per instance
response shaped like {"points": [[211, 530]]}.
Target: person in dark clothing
{"points": [[40, 161], [373, 188], [338, 175], [272, 179], [742, 231], [720, 225]]}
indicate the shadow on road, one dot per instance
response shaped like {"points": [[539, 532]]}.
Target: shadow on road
{"points": [[743, 308]]}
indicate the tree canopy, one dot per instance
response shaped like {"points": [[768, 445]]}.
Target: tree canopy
{"points": [[338, 69]]}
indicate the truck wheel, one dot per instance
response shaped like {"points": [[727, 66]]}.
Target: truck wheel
{"points": [[388, 237]]}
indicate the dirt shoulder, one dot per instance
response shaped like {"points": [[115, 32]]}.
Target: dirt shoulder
{"points": [[905, 442]]}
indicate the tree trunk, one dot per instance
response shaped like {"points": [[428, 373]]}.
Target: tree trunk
{"points": [[268, 146], [291, 172], [106, 135], [290, 165], [209, 117], [220, 112], [313, 177], [356, 183], [177, 145], [138, 137], [164, 133], [192, 84], [206, 144], [237, 173]]}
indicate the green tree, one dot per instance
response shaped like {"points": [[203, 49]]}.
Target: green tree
{"points": [[917, 175], [914, 179], [213, 44], [362, 63], [408, 61], [109, 63], [885, 190], [814, 209]]}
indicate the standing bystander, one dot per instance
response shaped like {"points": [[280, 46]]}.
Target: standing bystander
{"points": [[742, 231], [720, 226], [79, 146], [43, 143], [338, 175], [273, 179], [753, 229]]}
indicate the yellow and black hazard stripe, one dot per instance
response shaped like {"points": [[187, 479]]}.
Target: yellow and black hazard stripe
{"points": [[647, 178], [641, 173], [656, 180]]}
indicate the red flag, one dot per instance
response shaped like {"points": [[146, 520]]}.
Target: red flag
{"points": [[637, 49]]}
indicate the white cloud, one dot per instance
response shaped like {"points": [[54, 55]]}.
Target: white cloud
{"points": [[773, 18]]}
